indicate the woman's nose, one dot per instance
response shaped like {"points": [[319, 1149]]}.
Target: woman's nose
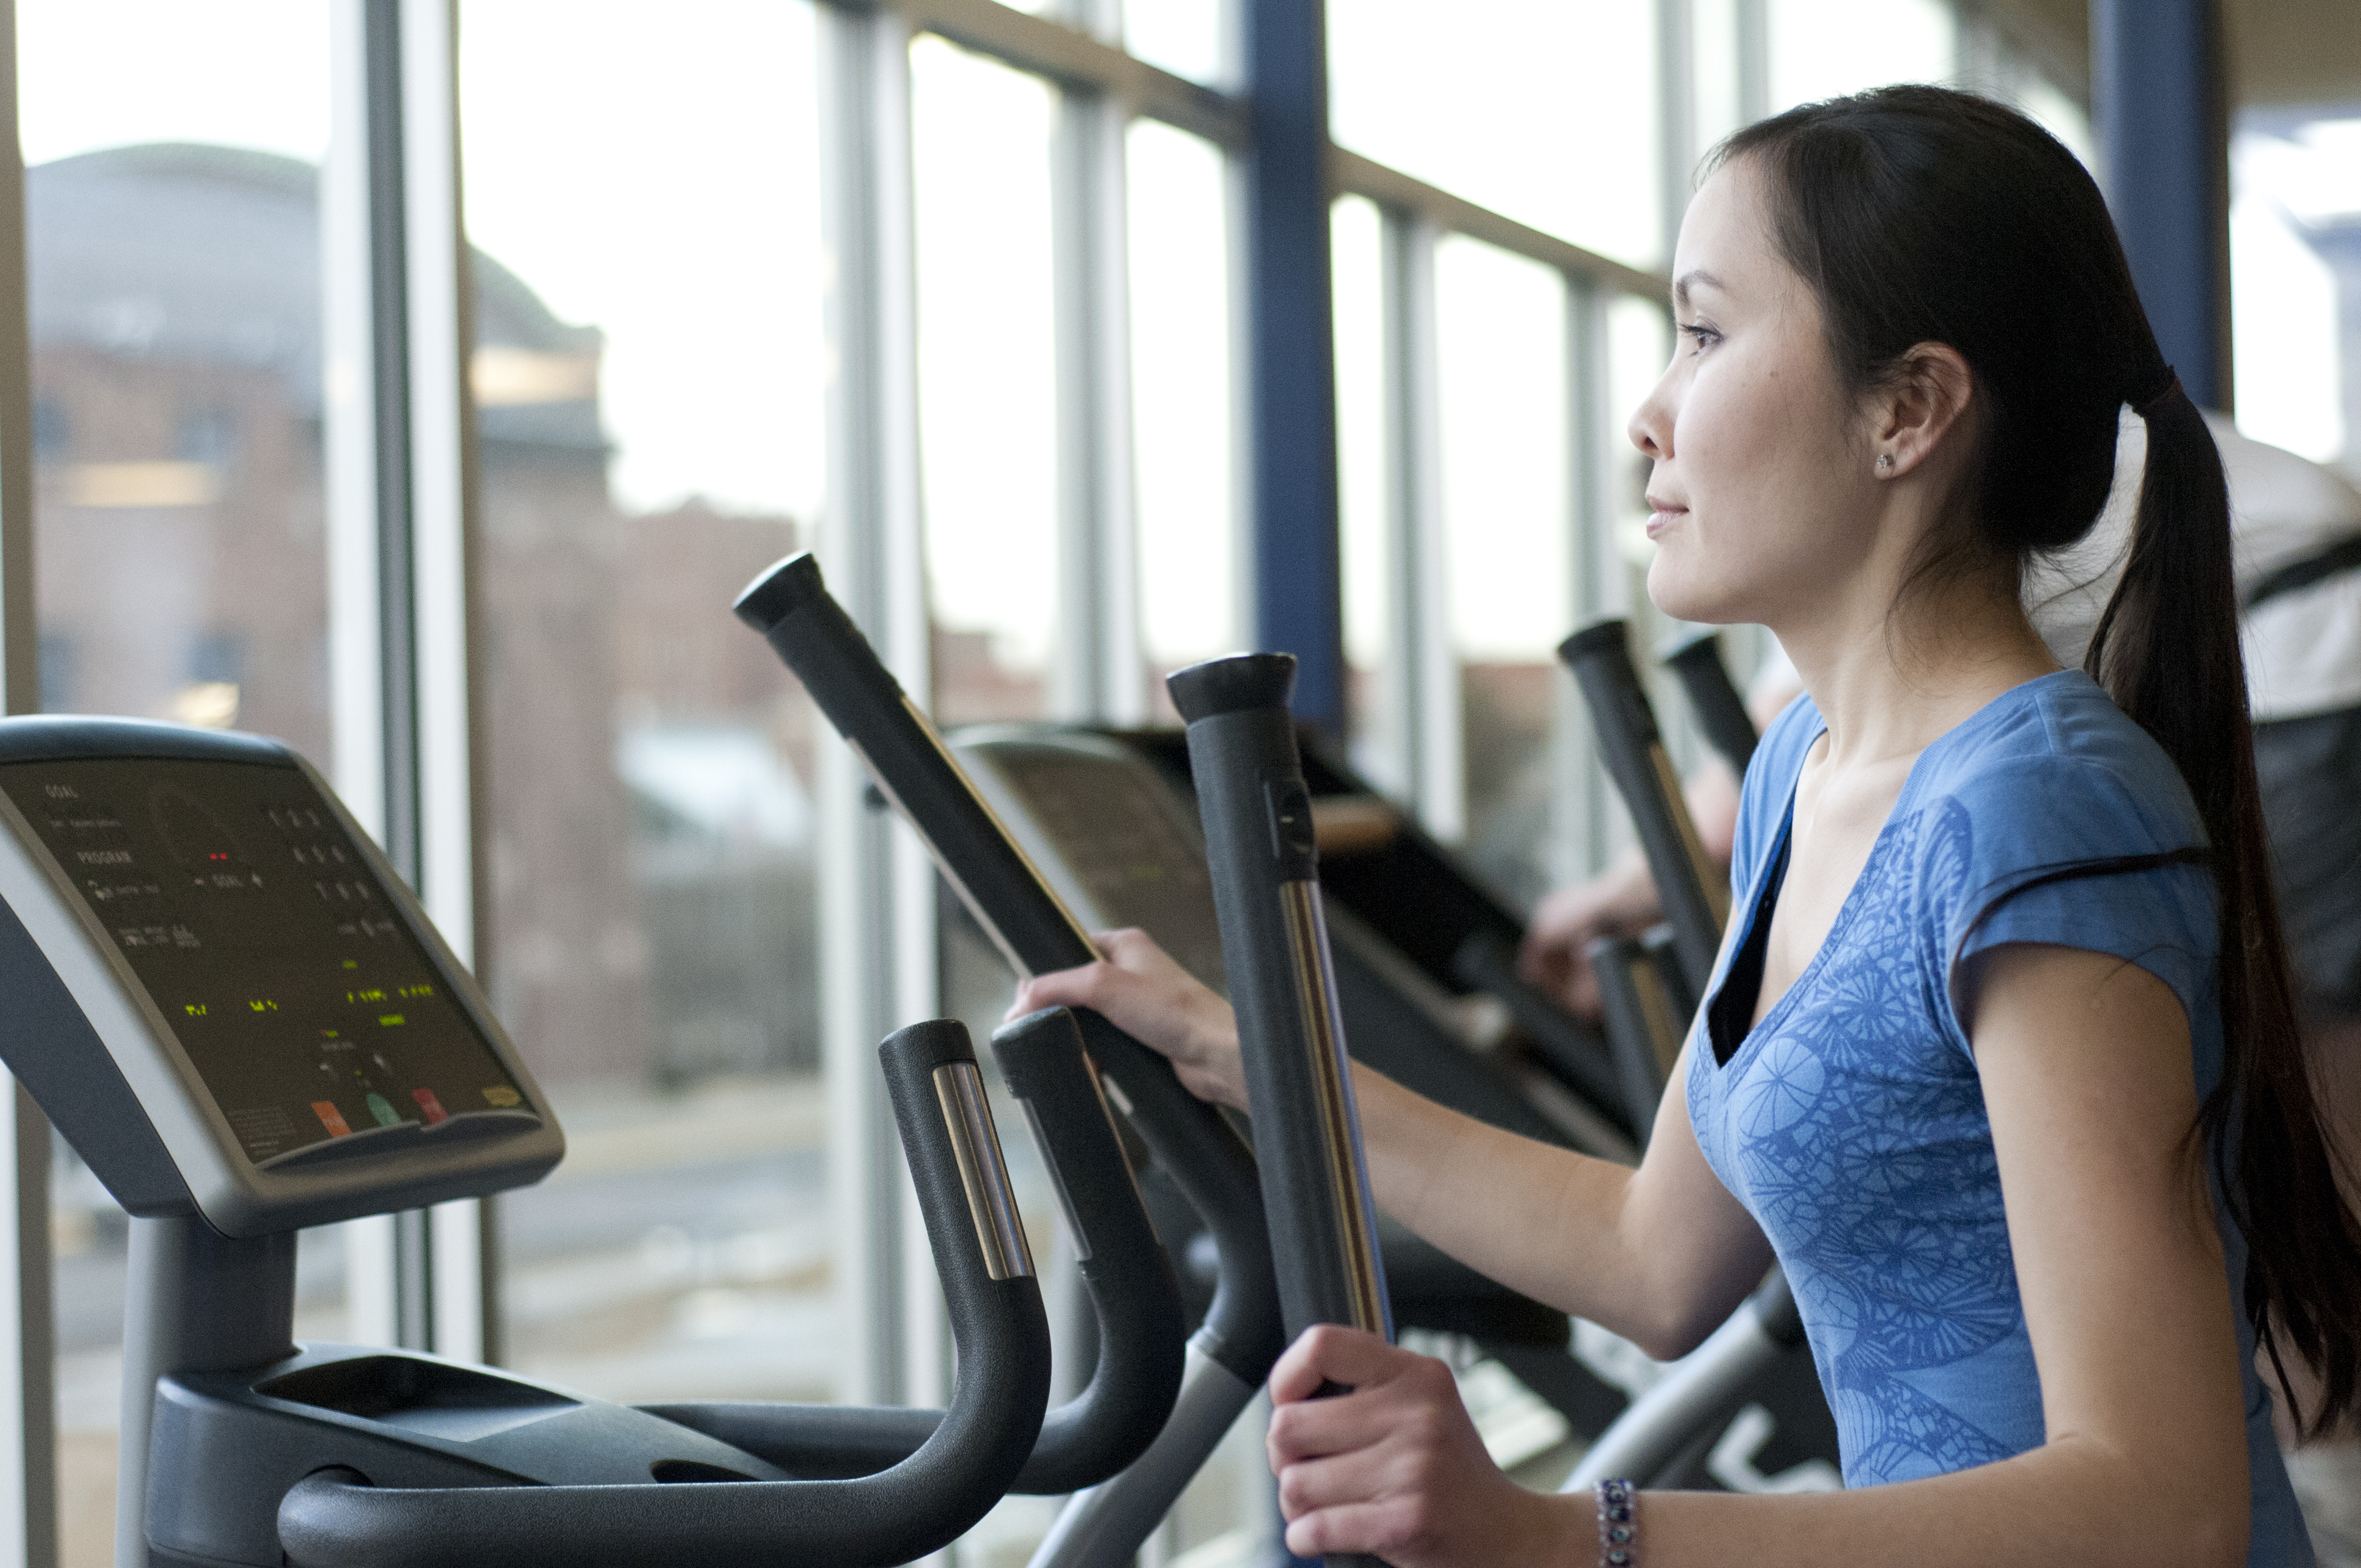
{"points": [[1651, 429]]}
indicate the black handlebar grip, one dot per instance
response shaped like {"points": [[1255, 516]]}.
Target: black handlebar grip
{"points": [[1714, 701], [790, 606], [1265, 871], [1136, 1300], [1697, 903], [332, 1519], [1217, 1173]]}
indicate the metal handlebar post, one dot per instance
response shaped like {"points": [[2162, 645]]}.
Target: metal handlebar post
{"points": [[1232, 1352], [1714, 701], [1264, 862], [1696, 898]]}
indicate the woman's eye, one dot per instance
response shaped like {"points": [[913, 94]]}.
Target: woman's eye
{"points": [[1699, 334]]}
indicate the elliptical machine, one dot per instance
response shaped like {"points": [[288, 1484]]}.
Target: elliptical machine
{"points": [[229, 1004]]}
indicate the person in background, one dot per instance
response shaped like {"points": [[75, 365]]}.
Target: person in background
{"points": [[2296, 535]]}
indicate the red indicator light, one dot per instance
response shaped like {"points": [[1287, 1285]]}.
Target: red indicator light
{"points": [[431, 1106], [331, 1118]]}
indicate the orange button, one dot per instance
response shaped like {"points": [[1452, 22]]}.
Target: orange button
{"points": [[331, 1118]]}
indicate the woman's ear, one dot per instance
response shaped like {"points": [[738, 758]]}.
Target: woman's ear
{"points": [[1927, 396]]}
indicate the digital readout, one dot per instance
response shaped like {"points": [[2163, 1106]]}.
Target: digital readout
{"points": [[266, 941]]}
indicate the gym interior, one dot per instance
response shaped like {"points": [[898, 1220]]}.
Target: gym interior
{"points": [[420, 383]]}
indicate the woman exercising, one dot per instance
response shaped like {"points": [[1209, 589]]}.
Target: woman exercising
{"points": [[1999, 1061]]}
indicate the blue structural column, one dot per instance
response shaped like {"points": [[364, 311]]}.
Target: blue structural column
{"points": [[2161, 107], [1292, 375]]}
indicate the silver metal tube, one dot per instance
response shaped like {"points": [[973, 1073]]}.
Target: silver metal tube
{"points": [[976, 1145], [1339, 1130], [1105, 1526], [1703, 1388]]}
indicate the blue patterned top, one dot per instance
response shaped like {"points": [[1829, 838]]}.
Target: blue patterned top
{"points": [[1850, 1121]]}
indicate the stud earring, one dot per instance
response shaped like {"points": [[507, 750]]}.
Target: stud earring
{"points": [[1884, 461]]}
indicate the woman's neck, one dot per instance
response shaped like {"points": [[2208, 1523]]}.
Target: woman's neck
{"points": [[1889, 680]]}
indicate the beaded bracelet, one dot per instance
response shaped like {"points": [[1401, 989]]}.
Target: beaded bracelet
{"points": [[1619, 1525]]}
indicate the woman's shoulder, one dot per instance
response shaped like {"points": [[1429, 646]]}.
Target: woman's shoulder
{"points": [[2055, 769]]}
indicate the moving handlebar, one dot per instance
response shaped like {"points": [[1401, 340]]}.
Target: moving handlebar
{"points": [[1695, 894], [1714, 701], [1264, 860], [1643, 1024], [1137, 1302], [790, 606], [332, 1519], [1233, 1350]]}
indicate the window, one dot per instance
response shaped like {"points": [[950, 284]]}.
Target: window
{"points": [[1508, 570], [1821, 48], [171, 230], [987, 389], [651, 382], [647, 375], [2295, 272], [1182, 413], [1544, 110]]}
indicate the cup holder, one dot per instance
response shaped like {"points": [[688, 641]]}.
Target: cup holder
{"points": [[691, 1472]]}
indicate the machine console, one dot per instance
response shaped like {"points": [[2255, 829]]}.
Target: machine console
{"points": [[281, 1037]]}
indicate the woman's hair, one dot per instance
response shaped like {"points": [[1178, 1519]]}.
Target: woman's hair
{"points": [[1918, 215]]}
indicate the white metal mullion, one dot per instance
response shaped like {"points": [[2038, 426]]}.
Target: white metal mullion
{"points": [[1676, 138], [878, 937], [429, 293], [1350, 174], [1422, 700], [28, 1455], [357, 650], [355, 646], [1078, 48], [1753, 59], [442, 543], [1098, 672], [1581, 790]]}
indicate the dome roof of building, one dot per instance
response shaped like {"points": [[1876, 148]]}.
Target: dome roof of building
{"points": [[188, 252]]}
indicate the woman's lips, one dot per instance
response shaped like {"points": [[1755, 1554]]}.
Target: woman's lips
{"points": [[1662, 517]]}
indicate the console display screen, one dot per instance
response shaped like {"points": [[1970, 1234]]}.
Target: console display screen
{"points": [[261, 935]]}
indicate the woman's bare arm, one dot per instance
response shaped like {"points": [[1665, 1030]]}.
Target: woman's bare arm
{"points": [[1660, 1254], [2085, 1066]]}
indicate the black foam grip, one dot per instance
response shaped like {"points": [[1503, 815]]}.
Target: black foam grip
{"points": [[1259, 850], [1714, 701], [1137, 1302], [790, 605], [334, 1519], [1631, 747]]}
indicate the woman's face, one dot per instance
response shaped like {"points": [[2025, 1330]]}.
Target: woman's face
{"points": [[1762, 496]]}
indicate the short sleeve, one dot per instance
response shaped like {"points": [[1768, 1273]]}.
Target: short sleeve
{"points": [[2073, 853]]}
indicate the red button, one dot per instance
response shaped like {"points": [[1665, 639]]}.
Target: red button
{"points": [[331, 1118], [431, 1106]]}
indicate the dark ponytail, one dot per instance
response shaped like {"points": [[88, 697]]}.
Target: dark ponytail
{"points": [[2167, 651], [1919, 215]]}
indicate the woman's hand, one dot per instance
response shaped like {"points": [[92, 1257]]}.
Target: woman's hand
{"points": [[1395, 1466], [1143, 992], [1622, 903]]}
